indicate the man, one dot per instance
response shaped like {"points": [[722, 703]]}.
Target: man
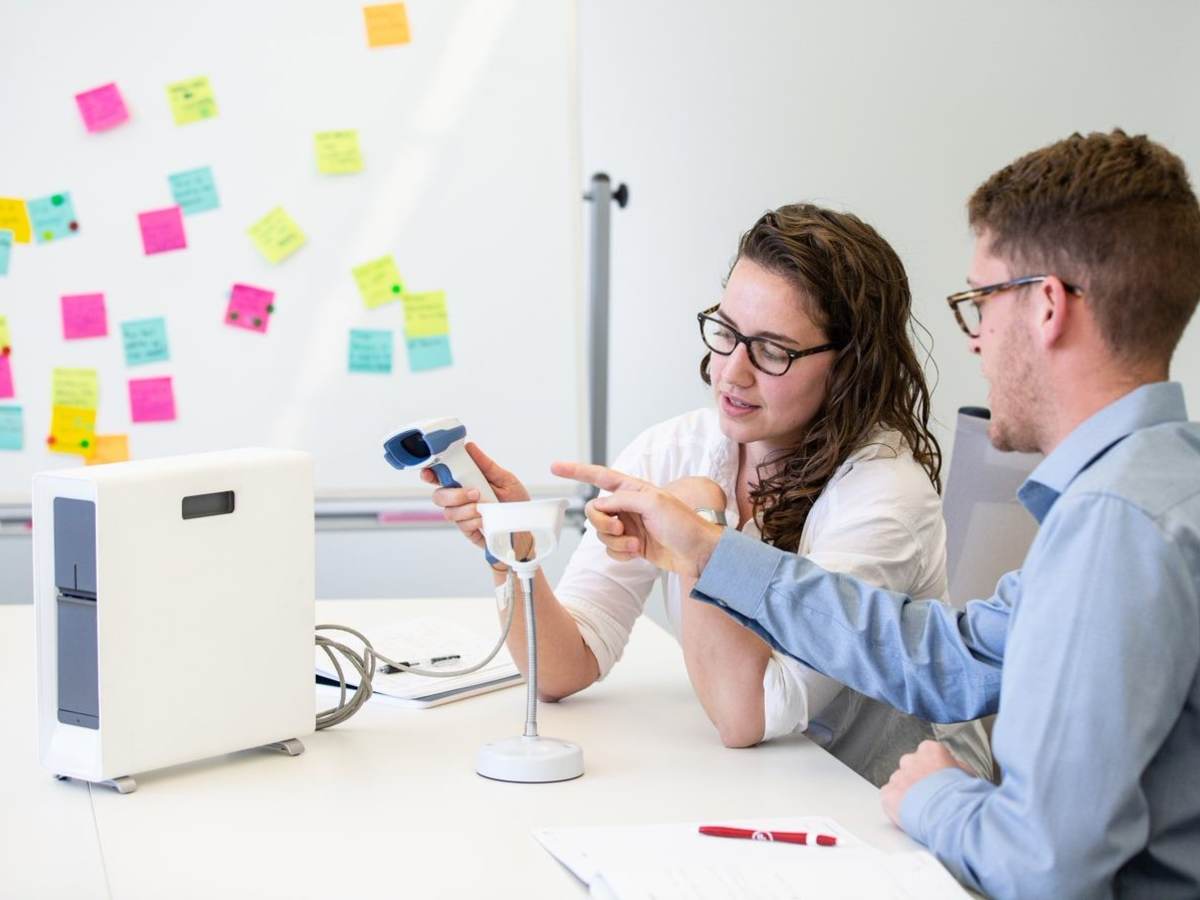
{"points": [[1086, 272]]}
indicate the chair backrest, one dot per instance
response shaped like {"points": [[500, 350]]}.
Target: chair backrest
{"points": [[987, 531]]}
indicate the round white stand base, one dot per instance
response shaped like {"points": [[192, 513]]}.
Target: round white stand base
{"points": [[530, 760]]}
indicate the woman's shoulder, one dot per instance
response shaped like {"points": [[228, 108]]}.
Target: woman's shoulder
{"points": [[682, 445], [882, 467]]}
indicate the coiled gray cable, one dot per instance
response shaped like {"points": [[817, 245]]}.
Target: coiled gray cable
{"points": [[364, 664]]}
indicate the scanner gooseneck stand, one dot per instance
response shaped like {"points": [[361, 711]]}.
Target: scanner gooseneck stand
{"points": [[529, 757]]}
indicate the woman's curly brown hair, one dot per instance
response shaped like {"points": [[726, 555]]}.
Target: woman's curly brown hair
{"points": [[857, 291]]}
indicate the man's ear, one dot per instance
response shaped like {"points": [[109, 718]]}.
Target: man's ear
{"points": [[1055, 313]]}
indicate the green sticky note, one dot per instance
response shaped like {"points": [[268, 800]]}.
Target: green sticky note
{"points": [[194, 190], [12, 428], [276, 236], [338, 153], [53, 217], [192, 100], [429, 353], [378, 281], [145, 341], [77, 388], [370, 350]]}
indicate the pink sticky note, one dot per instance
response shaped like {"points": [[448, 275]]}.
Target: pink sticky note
{"points": [[6, 382], [84, 316], [102, 108], [162, 230], [152, 399], [250, 307]]}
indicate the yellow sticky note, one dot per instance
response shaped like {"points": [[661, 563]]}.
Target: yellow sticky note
{"points": [[378, 281], [79, 388], [14, 216], [5, 337], [425, 315], [192, 100], [72, 430], [276, 236], [110, 448], [338, 153], [387, 24]]}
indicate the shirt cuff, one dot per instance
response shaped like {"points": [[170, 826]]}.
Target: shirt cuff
{"points": [[738, 573], [921, 794]]}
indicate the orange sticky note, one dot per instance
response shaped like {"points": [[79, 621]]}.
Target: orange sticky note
{"points": [[387, 24], [110, 448]]}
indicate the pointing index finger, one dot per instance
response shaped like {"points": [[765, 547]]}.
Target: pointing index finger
{"points": [[601, 476]]}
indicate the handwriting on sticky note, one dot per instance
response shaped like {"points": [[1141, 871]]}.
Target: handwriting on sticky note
{"points": [[12, 429], [429, 353], [276, 236], [194, 190], [250, 307], [102, 108], [378, 281], [145, 341], [162, 230], [6, 242], [338, 152], [52, 217], [387, 24], [14, 217], [72, 430], [7, 391], [84, 316], [151, 399], [76, 387], [370, 350], [425, 314], [5, 337], [110, 448], [192, 100]]}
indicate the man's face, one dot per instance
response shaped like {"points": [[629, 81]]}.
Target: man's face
{"points": [[1008, 352]]}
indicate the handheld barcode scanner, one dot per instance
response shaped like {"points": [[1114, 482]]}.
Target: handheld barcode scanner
{"points": [[440, 445]]}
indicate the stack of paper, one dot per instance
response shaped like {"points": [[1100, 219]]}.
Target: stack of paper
{"points": [[422, 639], [676, 862]]}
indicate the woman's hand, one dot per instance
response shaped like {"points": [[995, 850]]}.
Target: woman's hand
{"points": [[460, 505]]}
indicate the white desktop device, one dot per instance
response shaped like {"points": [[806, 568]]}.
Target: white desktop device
{"points": [[175, 611]]}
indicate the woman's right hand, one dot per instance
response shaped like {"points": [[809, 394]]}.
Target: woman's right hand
{"points": [[459, 505]]}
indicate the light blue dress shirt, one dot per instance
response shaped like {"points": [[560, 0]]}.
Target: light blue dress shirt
{"points": [[1090, 653]]}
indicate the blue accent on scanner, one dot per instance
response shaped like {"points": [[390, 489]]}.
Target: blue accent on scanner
{"points": [[445, 479]]}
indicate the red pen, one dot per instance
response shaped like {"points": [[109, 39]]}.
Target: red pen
{"points": [[786, 837]]}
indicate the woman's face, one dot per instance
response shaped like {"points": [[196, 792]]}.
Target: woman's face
{"points": [[754, 407]]}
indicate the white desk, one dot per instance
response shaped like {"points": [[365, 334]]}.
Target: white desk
{"points": [[388, 804]]}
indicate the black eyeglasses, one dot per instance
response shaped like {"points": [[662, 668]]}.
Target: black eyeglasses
{"points": [[970, 317], [766, 355]]}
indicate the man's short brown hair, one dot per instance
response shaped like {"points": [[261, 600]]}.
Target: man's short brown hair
{"points": [[1112, 214]]}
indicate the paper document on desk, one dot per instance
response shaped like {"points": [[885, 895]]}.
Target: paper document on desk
{"points": [[664, 862], [422, 638]]}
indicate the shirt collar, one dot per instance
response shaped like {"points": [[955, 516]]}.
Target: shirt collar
{"points": [[1150, 404]]}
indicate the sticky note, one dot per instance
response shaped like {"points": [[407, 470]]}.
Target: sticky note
{"points": [[6, 242], [72, 430], [194, 190], [84, 316], [6, 380], [425, 315], [338, 153], [370, 350], [151, 399], [102, 108], [145, 341], [76, 387], [162, 230], [52, 217], [429, 352], [387, 24], [192, 100], [250, 307], [12, 430], [378, 281], [276, 236], [110, 448], [14, 217], [5, 337]]}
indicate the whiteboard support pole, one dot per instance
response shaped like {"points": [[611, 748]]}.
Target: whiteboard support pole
{"points": [[601, 196]]}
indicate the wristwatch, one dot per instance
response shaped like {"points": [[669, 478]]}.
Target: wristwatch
{"points": [[716, 516]]}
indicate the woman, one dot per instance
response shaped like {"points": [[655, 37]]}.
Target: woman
{"points": [[818, 443]]}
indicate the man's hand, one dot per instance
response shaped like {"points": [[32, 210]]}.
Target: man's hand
{"points": [[639, 519], [929, 757], [697, 492]]}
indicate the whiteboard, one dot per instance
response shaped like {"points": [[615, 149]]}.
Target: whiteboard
{"points": [[470, 141]]}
